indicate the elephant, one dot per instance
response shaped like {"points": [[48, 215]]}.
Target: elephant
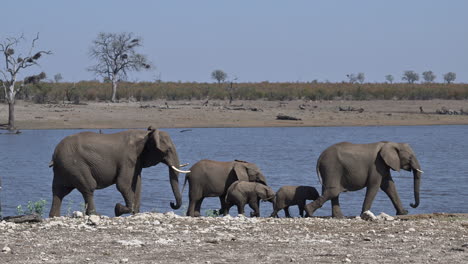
{"points": [[293, 195], [88, 161], [350, 167], [241, 193], [209, 178]]}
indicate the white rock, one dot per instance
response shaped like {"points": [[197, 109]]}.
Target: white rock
{"points": [[171, 214], [124, 260], [411, 229], [77, 214], [6, 249], [94, 220], [385, 217], [369, 216], [347, 260], [134, 242]]}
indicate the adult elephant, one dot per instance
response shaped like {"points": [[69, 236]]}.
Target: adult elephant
{"points": [[209, 178], [350, 167], [88, 161]]}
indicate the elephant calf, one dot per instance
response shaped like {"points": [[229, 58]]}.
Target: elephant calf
{"points": [[293, 195], [243, 192]]}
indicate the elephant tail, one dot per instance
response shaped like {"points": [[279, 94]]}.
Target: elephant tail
{"points": [[185, 181], [51, 163], [318, 171]]}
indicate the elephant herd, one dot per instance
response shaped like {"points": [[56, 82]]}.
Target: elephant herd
{"points": [[88, 161]]}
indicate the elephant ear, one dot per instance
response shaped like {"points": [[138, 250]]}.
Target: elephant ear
{"points": [[261, 191], [241, 171], [158, 137], [389, 154]]}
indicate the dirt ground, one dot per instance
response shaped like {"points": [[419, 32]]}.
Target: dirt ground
{"points": [[169, 238], [169, 114]]}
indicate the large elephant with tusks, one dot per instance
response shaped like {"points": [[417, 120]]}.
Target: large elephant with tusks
{"points": [[88, 161]]}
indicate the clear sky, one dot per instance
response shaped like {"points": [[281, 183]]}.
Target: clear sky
{"points": [[253, 40]]}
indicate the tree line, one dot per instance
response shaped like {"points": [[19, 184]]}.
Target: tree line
{"points": [[115, 55]]}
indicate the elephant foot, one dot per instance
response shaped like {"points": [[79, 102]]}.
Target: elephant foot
{"points": [[403, 212], [120, 210], [309, 210]]}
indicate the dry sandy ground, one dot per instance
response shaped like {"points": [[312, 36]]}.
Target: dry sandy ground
{"points": [[169, 114], [169, 238]]}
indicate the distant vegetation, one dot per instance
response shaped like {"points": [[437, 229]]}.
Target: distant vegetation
{"points": [[44, 92]]}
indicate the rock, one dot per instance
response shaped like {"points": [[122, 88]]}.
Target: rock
{"points": [[171, 214], [347, 260], [134, 242], [6, 249], [385, 217], [94, 220], [77, 214], [411, 229], [124, 260], [368, 216]]}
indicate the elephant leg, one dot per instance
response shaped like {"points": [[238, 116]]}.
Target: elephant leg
{"points": [[388, 186], [371, 192], [191, 207], [328, 193], [240, 208], [137, 199], [254, 204], [301, 206], [227, 208], [222, 200], [286, 211], [336, 210], [198, 207], [88, 197], [127, 188], [58, 192]]}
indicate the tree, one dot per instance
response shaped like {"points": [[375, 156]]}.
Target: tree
{"points": [[360, 77], [428, 76], [410, 76], [116, 55], [389, 78], [58, 77], [14, 63], [351, 77], [449, 77], [219, 76]]}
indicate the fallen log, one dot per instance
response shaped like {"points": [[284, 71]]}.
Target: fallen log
{"points": [[286, 117], [29, 218]]}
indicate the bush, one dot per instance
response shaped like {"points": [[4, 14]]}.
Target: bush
{"points": [[32, 208]]}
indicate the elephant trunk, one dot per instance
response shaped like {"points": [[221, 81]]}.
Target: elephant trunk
{"points": [[173, 161], [417, 181]]}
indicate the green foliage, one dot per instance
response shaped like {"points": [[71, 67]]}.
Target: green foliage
{"points": [[212, 213], [32, 208]]}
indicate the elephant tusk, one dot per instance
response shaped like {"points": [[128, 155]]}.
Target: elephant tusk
{"points": [[184, 165], [418, 170], [181, 171]]}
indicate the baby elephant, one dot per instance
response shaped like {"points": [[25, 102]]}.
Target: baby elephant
{"points": [[293, 195], [243, 192]]}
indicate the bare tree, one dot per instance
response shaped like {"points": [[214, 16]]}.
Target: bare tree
{"points": [[58, 77], [428, 76], [116, 56], [352, 77], [449, 77], [219, 76], [360, 77], [389, 78], [15, 62], [410, 76]]}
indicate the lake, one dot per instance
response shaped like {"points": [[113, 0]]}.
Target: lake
{"points": [[287, 156]]}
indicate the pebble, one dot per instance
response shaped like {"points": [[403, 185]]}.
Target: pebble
{"points": [[77, 214], [94, 220], [6, 249]]}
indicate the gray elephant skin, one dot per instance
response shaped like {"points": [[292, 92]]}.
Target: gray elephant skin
{"points": [[350, 167], [88, 161], [241, 193], [287, 196], [209, 178]]}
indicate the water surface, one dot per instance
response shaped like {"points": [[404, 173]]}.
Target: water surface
{"points": [[287, 156]]}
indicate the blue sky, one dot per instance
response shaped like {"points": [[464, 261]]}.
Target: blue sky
{"points": [[253, 40]]}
